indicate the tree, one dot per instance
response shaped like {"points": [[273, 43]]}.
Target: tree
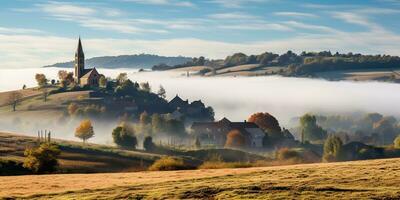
{"points": [[157, 123], [310, 129], [14, 99], [145, 86], [102, 81], [45, 94], [161, 92], [197, 143], [62, 75], [85, 130], [148, 144], [397, 142], [42, 159], [124, 137], [24, 87], [235, 139], [268, 123], [122, 77], [41, 80], [144, 118], [72, 108], [175, 127], [332, 149]]}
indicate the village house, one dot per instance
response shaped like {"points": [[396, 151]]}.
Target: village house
{"points": [[214, 133], [84, 76], [195, 110]]}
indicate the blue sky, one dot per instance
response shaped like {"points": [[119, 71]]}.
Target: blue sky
{"points": [[40, 32]]}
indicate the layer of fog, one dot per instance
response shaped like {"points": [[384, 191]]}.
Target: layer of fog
{"points": [[238, 97]]}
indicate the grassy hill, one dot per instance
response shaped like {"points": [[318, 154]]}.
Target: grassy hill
{"points": [[77, 157], [373, 179]]}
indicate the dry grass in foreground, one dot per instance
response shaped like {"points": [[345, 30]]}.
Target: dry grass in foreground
{"points": [[374, 179]]}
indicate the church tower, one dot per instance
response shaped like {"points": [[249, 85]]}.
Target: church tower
{"points": [[79, 62]]}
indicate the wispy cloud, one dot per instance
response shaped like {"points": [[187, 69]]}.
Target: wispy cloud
{"points": [[295, 14], [232, 15], [7, 30], [235, 3], [93, 17], [164, 2], [257, 26], [319, 28]]}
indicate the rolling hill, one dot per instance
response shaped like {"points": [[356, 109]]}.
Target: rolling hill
{"points": [[127, 61]]}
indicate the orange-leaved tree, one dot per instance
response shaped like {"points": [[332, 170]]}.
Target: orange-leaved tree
{"points": [[267, 122], [85, 130], [235, 139]]}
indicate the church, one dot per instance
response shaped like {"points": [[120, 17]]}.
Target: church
{"points": [[84, 76]]}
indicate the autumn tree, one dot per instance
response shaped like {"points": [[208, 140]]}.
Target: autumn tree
{"points": [[14, 98], [42, 159], [268, 123], [124, 137], [65, 78], [265, 121], [41, 80], [235, 139], [161, 92], [332, 149], [85, 130]]}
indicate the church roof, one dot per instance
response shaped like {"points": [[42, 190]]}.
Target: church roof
{"points": [[89, 72]]}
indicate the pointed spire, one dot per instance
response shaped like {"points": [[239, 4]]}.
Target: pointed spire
{"points": [[79, 50]]}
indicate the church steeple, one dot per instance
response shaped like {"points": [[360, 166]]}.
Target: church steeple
{"points": [[79, 61]]}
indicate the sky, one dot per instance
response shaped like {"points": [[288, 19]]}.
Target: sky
{"points": [[34, 33]]}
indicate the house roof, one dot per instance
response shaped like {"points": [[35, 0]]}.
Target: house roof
{"points": [[224, 122], [178, 100], [243, 125]]}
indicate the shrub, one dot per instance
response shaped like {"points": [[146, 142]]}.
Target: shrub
{"points": [[42, 159], [222, 165], [168, 163], [288, 154], [124, 137], [235, 139], [10, 167]]}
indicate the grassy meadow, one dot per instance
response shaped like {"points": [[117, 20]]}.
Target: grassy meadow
{"points": [[373, 179]]}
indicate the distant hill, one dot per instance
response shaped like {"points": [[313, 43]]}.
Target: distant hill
{"points": [[127, 61]]}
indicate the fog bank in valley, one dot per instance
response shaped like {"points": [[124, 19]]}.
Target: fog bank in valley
{"points": [[238, 97]]}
